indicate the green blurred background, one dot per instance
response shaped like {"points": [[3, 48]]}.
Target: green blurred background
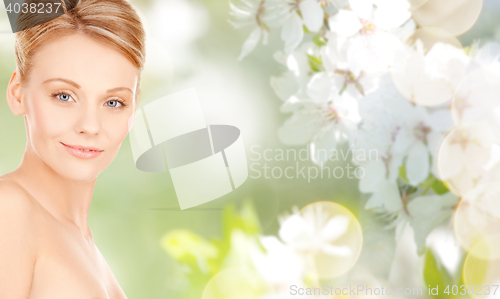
{"points": [[191, 44]]}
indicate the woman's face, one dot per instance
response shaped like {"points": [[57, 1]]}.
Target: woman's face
{"points": [[78, 100]]}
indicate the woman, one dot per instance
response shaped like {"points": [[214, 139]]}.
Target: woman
{"points": [[76, 85]]}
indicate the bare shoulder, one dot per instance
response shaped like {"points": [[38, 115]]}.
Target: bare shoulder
{"points": [[17, 211], [17, 240], [14, 200]]}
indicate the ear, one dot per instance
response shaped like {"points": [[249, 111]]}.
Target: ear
{"points": [[14, 94]]}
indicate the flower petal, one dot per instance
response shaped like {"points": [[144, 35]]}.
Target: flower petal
{"points": [[386, 198], [299, 129], [250, 43], [339, 3], [292, 32], [391, 14], [335, 228], [417, 164], [323, 147], [403, 140], [319, 87], [312, 14], [451, 160], [427, 212], [441, 120], [362, 8], [280, 264], [285, 85], [345, 23], [434, 142], [374, 175], [293, 227], [336, 250]]}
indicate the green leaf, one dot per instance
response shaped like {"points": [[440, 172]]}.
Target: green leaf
{"points": [[409, 189], [315, 63], [246, 219], [193, 251], [203, 258], [436, 276], [428, 181], [402, 173], [319, 41], [439, 187], [305, 29], [432, 182]]}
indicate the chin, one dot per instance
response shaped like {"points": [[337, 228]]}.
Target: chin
{"points": [[79, 174], [78, 171]]}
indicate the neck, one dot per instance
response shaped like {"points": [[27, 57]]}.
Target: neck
{"points": [[68, 201]]}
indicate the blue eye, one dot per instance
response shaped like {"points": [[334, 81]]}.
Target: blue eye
{"points": [[114, 103], [64, 97]]}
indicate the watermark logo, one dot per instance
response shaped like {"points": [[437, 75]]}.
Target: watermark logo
{"points": [[356, 291], [26, 14], [204, 161], [263, 162]]}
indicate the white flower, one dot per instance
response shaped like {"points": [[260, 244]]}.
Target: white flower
{"points": [[419, 137], [383, 14], [297, 76], [485, 57], [279, 265], [380, 180], [285, 85], [322, 119], [432, 78], [252, 41], [313, 14], [371, 47], [477, 95], [313, 234], [469, 155], [334, 57], [312, 17], [339, 3], [292, 32], [382, 112], [424, 213], [261, 15]]}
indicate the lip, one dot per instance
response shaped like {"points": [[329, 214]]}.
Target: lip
{"points": [[83, 152]]}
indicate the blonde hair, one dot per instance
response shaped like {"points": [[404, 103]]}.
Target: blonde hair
{"points": [[113, 22]]}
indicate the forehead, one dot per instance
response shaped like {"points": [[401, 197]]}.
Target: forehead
{"points": [[90, 63]]}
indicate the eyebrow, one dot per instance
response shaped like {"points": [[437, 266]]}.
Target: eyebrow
{"points": [[119, 89], [63, 80], [78, 86]]}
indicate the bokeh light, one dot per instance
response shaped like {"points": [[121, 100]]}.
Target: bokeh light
{"points": [[476, 96], [454, 16], [432, 68], [470, 156], [477, 221], [483, 273], [432, 35], [417, 3], [328, 265]]}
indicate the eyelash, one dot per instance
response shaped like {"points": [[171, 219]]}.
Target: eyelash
{"points": [[58, 93]]}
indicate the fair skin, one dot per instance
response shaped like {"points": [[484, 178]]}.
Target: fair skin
{"points": [[80, 94]]}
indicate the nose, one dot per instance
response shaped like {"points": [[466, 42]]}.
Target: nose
{"points": [[88, 122]]}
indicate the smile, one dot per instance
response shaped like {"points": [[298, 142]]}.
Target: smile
{"points": [[83, 152]]}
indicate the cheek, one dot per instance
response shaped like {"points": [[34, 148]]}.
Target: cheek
{"points": [[45, 119], [115, 128]]}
